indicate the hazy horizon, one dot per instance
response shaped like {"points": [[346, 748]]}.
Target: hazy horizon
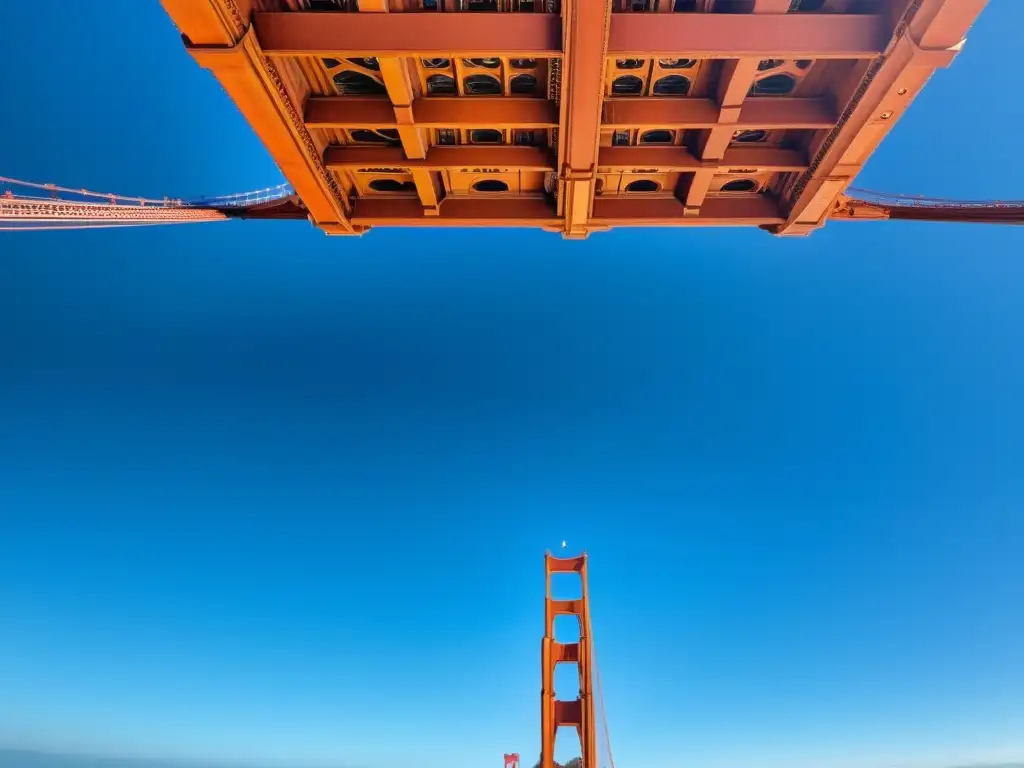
{"points": [[28, 757]]}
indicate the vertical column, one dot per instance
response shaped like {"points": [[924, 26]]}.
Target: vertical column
{"points": [[218, 35], [733, 85], [394, 71], [585, 26], [556, 712]]}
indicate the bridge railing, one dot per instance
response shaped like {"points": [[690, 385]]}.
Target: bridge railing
{"points": [[30, 190], [920, 201]]}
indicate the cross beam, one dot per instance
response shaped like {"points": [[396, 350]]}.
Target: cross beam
{"points": [[613, 159], [505, 112], [434, 112], [672, 159], [759, 210], [732, 36], [643, 35], [518, 35], [441, 158], [697, 113]]}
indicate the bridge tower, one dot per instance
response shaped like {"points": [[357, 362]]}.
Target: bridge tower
{"points": [[559, 712]]}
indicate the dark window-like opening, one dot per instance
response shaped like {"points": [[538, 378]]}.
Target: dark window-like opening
{"points": [[804, 63], [429, 5], [774, 85], [358, 84], [765, 64], [523, 84], [750, 137], [734, 6], [627, 85], [486, 136], [806, 6], [481, 85], [740, 185], [684, 6], [446, 137], [330, 63], [657, 137], [620, 139], [490, 185], [672, 85], [643, 185], [677, 63], [392, 185], [525, 138], [523, 63], [441, 85], [383, 136], [368, 63], [485, 63], [482, 5], [629, 63], [436, 63], [640, 5]]}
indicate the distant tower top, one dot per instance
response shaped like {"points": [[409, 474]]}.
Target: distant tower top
{"points": [[512, 761]]}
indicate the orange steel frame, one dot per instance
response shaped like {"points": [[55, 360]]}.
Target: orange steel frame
{"points": [[256, 49], [578, 713]]}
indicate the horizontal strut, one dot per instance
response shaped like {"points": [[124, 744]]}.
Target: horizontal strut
{"points": [[733, 36], [693, 113], [435, 112], [442, 158], [520, 35], [799, 36]]}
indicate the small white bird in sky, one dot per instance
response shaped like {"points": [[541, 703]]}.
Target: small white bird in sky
{"points": [[563, 543]]}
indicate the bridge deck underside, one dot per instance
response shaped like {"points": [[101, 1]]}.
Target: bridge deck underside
{"points": [[571, 115]]}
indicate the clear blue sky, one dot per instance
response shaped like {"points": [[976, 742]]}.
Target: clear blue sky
{"points": [[276, 498]]}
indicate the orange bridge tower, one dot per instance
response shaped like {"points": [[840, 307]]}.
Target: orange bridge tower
{"points": [[557, 712]]}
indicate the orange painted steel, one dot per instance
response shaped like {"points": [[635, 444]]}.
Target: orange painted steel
{"points": [[409, 34], [739, 36], [586, 27], [442, 158], [458, 212], [928, 34], [798, 113], [218, 36], [438, 112], [774, 159], [572, 115], [555, 713]]}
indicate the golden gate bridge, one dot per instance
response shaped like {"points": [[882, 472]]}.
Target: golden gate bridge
{"points": [[35, 206]]}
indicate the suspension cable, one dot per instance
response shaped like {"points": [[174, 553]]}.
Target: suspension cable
{"points": [[235, 199], [600, 702]]}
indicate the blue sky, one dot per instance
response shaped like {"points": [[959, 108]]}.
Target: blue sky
{"points": [[272, 498]]}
